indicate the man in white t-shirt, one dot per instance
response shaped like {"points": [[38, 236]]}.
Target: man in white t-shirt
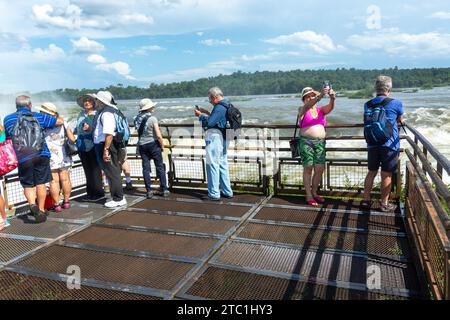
{"points": [[106, 151]]}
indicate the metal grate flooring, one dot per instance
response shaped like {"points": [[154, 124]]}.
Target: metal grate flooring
{"points": [[16, 286], [185, 248], [169, 222]]}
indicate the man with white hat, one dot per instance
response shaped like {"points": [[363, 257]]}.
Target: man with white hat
{"points": [[107, 152], [151, 146]]}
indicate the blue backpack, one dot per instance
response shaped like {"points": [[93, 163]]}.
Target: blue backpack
{"points": [[122, 128], [377, 127]]}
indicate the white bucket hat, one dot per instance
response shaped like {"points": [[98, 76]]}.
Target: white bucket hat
{"points": [[146, 104], [48, 108], [106, 97]]}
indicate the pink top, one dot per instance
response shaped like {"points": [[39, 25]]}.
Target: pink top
{"points": [[309, 121]]}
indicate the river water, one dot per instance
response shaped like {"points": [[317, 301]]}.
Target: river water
{"points": [[427, 110]]}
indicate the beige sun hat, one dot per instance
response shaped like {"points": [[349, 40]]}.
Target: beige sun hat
{"points": [[48, 108], [146, 104], [308, 90], [106, 97], [84, 97]]}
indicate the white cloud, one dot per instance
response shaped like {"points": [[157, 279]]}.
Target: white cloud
{"points": [[144, 50], [216, 42], [136, 18], [200, 34], [297, 66], [51, 53], [120, 67], [319, 43], [72, 17], [394, 42], [444, 15], [213, 68], [96, 59], [257, 57], [69, 18], [84, 45]]}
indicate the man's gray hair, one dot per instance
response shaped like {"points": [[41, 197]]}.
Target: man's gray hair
{"points": [[383, 84], [215, 92], [23, 101]]}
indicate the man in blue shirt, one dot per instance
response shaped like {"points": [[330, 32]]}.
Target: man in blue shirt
{"points": [[34, 169], [387, 154], [215, 123]]}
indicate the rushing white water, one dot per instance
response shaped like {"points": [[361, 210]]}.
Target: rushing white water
{"points": [[427, 110]]}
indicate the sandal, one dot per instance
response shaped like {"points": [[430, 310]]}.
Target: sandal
{"points": [[389, 207], [319, 199], [312, 203]]}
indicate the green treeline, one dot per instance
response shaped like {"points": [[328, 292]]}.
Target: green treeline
{"points": [[265, 82]]}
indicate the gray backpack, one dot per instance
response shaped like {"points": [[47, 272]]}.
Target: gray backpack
{"points": [[28, 135]]}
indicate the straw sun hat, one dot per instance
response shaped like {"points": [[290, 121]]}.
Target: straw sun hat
{"points": [[48, 108], [308, 90]]}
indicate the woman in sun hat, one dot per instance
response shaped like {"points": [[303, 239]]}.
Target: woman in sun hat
{"points": [[60, 162], [312, 140], [151, 146], [86, 151]]}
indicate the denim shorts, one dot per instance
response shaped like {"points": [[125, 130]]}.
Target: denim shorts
{"points": [[384, 157], [35, 172]]}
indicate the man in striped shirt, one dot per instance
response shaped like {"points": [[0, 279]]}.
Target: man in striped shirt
{"points": [[34, 169]]}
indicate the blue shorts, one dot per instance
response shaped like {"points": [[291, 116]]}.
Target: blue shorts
{"points": [[35, 172], [384, 157]]}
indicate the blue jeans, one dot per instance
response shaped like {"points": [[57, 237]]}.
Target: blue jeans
{"points": [[217, 164], [148, 152]]}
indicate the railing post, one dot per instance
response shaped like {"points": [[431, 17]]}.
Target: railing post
{"points": [[447, 280]]}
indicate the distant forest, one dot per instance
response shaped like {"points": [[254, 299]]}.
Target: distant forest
{"points": [[265, 82]]}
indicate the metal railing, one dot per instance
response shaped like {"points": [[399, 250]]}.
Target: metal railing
{"points": [[260, 161], [427, 200]]}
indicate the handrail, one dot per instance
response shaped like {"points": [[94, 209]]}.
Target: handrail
{"points": [[265, 126], [439, 157]]}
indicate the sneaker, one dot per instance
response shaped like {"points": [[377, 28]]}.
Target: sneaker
{"points": [[150, 194], [56, 208], [389, 207], [66, 205], [208, 198], [7, 223], [39, 216], [225, 196], [129, 186], [115, 204], [166, 193]]}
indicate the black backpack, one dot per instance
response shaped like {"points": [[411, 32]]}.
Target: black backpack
{"points": [[27, 135], [377, 127], [234, 120]]}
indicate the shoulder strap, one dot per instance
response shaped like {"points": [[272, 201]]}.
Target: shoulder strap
{"points": [[383, 103], [142, 126], [296, 126]]}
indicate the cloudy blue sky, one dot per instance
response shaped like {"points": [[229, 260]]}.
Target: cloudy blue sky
{"points": [[49, 44]]}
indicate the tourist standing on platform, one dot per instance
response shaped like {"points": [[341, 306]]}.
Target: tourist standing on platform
{"points": [[60, 162], [151, 146], [312, 139], [215, 123], [4, 222], [25, 129], [86, 151], [381, 115], [106, 147]]}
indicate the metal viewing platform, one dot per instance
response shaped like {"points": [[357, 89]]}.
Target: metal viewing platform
{"points": [[265, 243]]}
